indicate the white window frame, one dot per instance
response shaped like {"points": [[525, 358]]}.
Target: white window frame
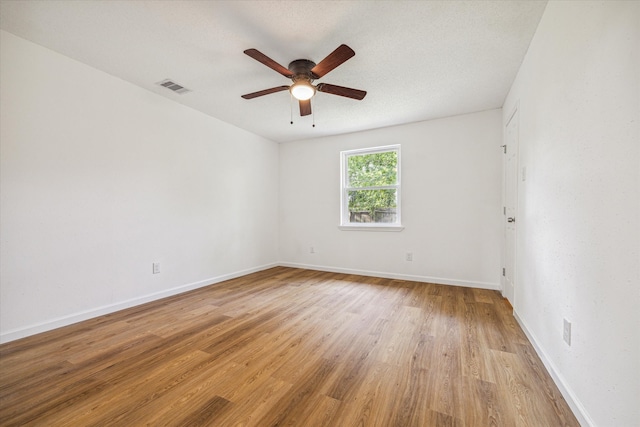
{"points": [[344, 192]]}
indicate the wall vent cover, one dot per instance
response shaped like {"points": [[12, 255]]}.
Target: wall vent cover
{"points": [[173, 86]]}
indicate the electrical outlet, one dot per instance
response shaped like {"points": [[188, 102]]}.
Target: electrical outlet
{"points": [[312, 250], [156, 268], [566, 332], [409, 256]]}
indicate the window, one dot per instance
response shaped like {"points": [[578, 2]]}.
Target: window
{"points": [[370, 198]]}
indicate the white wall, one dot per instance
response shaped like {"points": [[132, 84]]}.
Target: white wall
{"points": [[579, 208], [100, 178], [451, 203]]}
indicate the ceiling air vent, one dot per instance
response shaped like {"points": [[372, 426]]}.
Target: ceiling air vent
{"points": [[170, 84]]}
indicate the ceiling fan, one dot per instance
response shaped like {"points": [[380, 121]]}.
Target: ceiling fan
{"points": [[303, 72]]}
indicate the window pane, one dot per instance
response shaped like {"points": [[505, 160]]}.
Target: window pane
{"points": [[372, 206], [370, 170]]}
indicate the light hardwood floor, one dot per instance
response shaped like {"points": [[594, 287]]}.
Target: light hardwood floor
{"points": [[287, 347]]}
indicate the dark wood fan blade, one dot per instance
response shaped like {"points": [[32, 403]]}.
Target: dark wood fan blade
{"points": [[265, 92], [341, 91], [305, 107], [335, 58], [261, 57]]}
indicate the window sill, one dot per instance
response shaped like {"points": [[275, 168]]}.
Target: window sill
{"points": [[371, 227]]}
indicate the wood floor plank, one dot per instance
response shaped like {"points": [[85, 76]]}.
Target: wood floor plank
{"points": [[288, 346], [113, 403], [256, 405]]}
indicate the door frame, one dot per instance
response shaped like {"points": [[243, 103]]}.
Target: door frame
{"points": [[514, 115]]}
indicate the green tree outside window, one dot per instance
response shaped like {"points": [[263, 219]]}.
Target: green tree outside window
{"points": [[367, 177]]}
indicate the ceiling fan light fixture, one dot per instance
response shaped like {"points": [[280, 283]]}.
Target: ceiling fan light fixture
{"points": [[302, 90]]}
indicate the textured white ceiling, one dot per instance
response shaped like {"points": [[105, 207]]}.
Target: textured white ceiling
{"points": [[417, 60]]}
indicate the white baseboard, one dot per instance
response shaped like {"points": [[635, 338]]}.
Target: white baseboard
{"points": [[111, 308], [410, 277], [574, 403]]}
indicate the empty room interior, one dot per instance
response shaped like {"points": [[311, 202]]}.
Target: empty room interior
{"points": [[322, 213]]}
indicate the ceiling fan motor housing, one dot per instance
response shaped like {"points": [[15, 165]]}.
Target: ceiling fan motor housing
{"points": [[301, 69]]}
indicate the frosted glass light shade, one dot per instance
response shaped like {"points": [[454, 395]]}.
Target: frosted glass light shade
{"points": [[302, 90]]}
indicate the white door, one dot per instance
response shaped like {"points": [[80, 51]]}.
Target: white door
{"points": [[510, 206]]}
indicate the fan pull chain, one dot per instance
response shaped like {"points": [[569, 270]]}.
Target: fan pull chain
{"points": [[313, 114], [291, 106]]}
